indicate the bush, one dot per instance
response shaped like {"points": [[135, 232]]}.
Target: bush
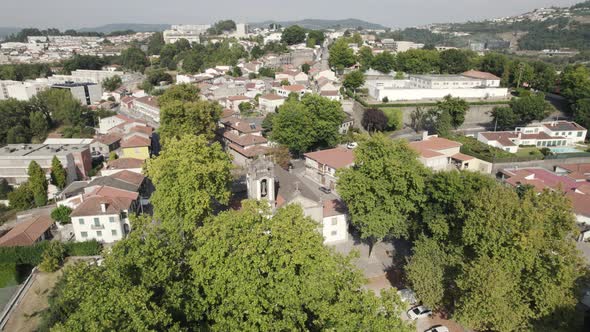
{"points": [[88, 248], [546, 151], [33, 255], [61, 214], [53, 257], [385, 99], [394, 118]]}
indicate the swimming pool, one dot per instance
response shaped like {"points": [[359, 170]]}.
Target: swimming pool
{"points": [[565, 150]]}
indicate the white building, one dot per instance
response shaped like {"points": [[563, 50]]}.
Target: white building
{"points": [[86, 93], [469, 85], [440, 154], [191, 32], [403, 46], [270, 102], [21, 90], [148, 107], [553, 134]]}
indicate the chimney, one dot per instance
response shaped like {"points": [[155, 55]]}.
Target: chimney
{"points": [[103, 207]]}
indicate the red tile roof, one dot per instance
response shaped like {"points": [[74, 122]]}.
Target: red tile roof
{"points": [[129, 177], [462, 157], [241, 125], [293, 88], [250, 152], [334, 207], [245, 140], [148, 100], [27, 232], [125, 163], [335, 158], [271, 96], [480, 75], [136, 142], [430, 147], [92, 206], [581, 168]]}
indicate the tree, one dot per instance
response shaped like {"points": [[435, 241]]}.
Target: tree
{"points": [[427, 270], [196, 118], [191, 176], [383, 188], [112, 83], [5, 188], [61, 214], [21, 198], [354, 80], [113, 156], [575, 83], [39, 125], [374, 120], [444, 124], [155, 43], [267, 123], [266, 72], [245, 107], [305, 68], [312, 122], [237, 71], [315, 37], [185, 93], [383, 62], [53, 257], [83, 62], [531, 107], [167, 57], [455, 107], [365, 57], [59, 178], [281, 156], [582, 112], [341, 56], [418, 61], [222, 26], [37, 183], [454, 61], [134, 59], [494, 63], [182, 45], [293, 35], [395, 118], [275, 269], [256, 52], [504, 118]]}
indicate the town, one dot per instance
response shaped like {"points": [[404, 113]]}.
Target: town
{"points": [[302, 175]]}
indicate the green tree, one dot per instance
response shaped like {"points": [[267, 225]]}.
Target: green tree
{"points": [[37, 183], [365, 57], [293, 35], [191, 176], [113, 156], [418, 61], [112, 83], [21, 198], [58, 174], [454, 61], [455, 107], [531, 107], [427, 270], [61, 214], [245, 107], [504, 118], [582, 112], [293, 127], [155, 43], [5, 188], [383, 62], [575, 83], [305, 68], [383, 188], [444, 124], [267, 123], [494, 63], [354, 80], [134, 59], [256, 52], [182, 112], [341, 56], [193, 62], [39, 125], [168, 60], [316, 36], [182, 45], [53, 257], [395, 118]]}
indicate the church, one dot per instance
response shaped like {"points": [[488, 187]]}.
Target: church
{"points": [[267, 181]]}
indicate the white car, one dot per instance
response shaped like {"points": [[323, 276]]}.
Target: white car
{"points": [[407, 295], [352, 145], [419, 312], [438, 328]]}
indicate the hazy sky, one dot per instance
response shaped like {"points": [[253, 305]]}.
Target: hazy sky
{"points": [[393, 13]]}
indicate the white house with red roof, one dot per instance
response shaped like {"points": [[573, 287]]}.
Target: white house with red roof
{"points": [[243, 140], [292, 76], [440, 154], [321, 166], [542, 135], [286, 90], [268, 103], [233, 102]]}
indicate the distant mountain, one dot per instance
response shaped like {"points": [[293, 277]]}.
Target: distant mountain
{"points": [[7, 31], [108, 28], [317, 24]]}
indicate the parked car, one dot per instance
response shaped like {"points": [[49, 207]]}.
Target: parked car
{"points": [[438, 328], [419, 312], [407, 295], [325, 190], [352, 145]]}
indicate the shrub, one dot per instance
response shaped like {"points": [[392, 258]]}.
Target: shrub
{"points": [[394, 118], [546, 151], [88, 248], [61, 214], [33, 255], [53, 257], [385, 99]]}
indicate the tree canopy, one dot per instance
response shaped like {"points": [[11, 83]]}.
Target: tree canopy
{"points": [[112, 83], [37, 183], [341, 56], [59, 177], [293, 35]]}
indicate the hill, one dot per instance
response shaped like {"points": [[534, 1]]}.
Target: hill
{"points": [[7, 31], [319, 24], [138, 27]]}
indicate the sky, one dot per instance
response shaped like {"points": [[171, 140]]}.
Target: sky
{"points": [[64, 14]]}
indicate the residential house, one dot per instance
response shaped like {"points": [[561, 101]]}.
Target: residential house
{"points": [[270, 102], [285, 90], [105, 144], [321, 166], [292, 76], [243, 140], [441, 154], [553, 134], [26, 233], [147, 107], [136, 145], [332, 95], [268, 182], [233, 102], [123, 164]]}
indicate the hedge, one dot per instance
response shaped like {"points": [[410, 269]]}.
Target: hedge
{"points": [[472, 103], [32, 255]]}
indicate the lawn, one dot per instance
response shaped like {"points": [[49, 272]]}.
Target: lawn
{"points": [[529, 152]]}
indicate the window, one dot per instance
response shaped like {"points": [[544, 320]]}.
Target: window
{"points": [[98, 233], [334, 233], [114, 232], [81, 221], [136, 150], [84, 234], [96, 222], [111, 219], [579, 134], [334, 221]]}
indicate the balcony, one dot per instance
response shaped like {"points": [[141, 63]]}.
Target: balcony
{"points": [[96, 227]]}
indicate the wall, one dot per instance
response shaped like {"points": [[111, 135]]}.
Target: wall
{"points": [[138, 153], [547, 164], [422, 94], [340, 227], [107, 227]]}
